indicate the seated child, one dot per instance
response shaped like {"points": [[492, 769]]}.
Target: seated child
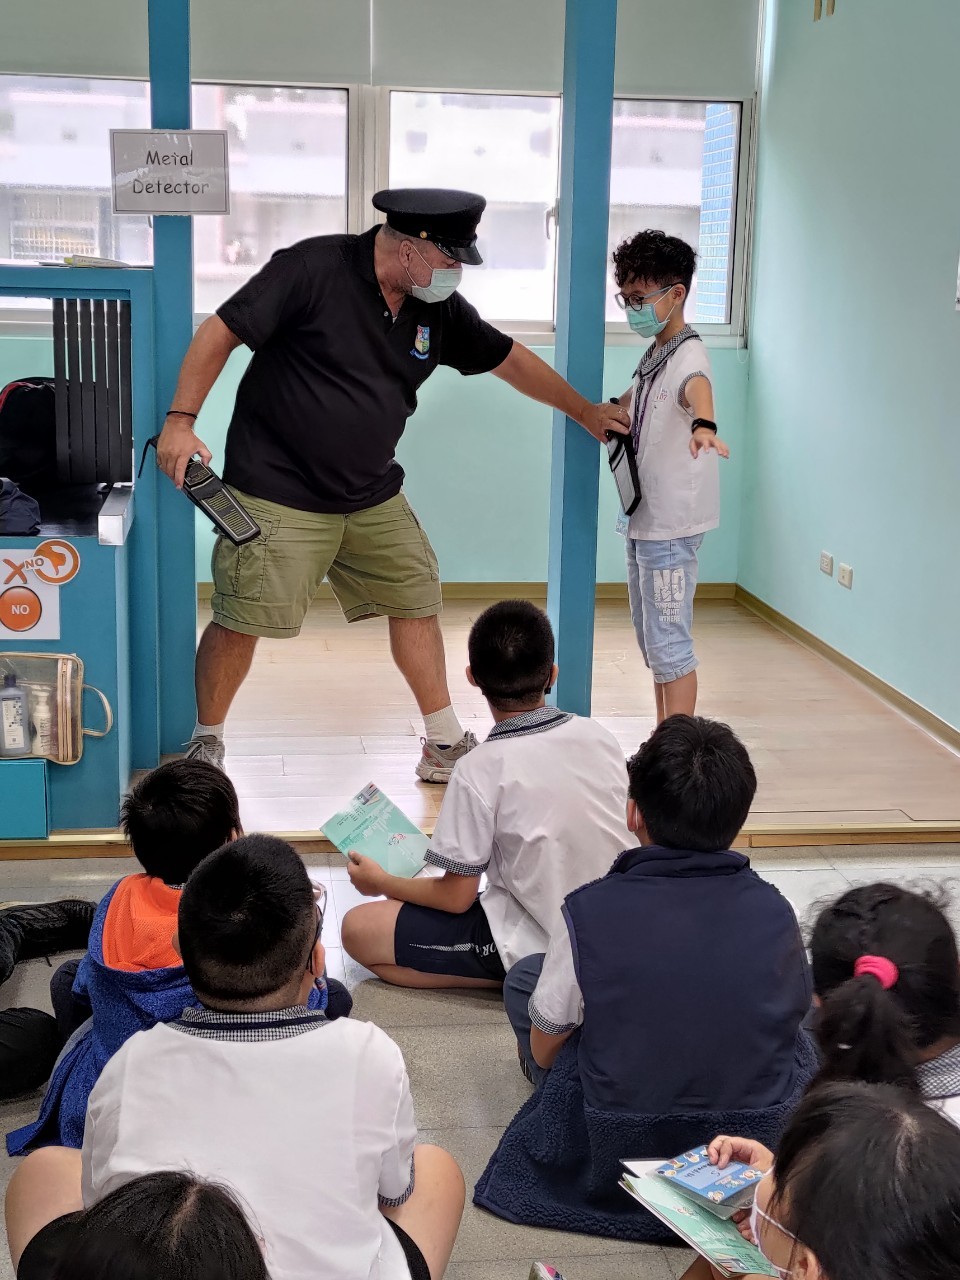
{"points": [[309, 1121], [29, 1042], [866, 1183], [538, 807], [886, 979], [680, 982], [131, 977], [153, 1227]]}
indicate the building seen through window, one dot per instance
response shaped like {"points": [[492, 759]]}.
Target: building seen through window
{"points": [[674, 166]]}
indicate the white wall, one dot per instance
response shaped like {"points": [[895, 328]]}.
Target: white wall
{"points": [[685, 47]]}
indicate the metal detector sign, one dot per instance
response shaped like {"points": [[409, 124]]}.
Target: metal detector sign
{"points": [[179, 172]]}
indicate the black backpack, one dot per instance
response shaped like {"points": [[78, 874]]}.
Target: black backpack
{"points": [[28, 434], [19, 513]]}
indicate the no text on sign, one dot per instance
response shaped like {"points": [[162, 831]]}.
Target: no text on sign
{"points": [[183, 171], [30, 588]]}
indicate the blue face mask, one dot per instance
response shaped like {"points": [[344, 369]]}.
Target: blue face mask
{"points": [[645, 321]]}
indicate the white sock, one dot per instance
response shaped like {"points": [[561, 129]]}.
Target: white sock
{"points": [[443, 729], [209, 731]]}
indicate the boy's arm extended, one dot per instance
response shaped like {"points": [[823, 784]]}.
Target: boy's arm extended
{"points": [[449, 892], [698, 398]]}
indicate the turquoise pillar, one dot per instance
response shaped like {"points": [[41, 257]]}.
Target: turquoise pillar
{"points": [[169, 28], [587, 125]]}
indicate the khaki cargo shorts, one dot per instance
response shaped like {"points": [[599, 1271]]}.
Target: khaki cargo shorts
{"points": [[378, 562]]}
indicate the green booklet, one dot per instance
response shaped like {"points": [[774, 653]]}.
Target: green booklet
{"points": [[372, 825], [717, 1240]]}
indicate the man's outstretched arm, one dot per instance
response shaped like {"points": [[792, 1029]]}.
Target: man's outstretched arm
{"points": [[533, 377]]}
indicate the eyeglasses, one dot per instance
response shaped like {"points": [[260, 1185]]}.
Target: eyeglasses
{"points": [[637, 300], [320, 897]]}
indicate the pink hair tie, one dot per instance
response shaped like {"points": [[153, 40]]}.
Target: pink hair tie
{"points": [[885, 971]]}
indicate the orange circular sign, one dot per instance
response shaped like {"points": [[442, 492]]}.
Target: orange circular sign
{"points": [[61, 562], [20, 609]]}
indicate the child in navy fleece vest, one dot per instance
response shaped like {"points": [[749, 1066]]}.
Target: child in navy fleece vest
{"points": [[672, 998]]}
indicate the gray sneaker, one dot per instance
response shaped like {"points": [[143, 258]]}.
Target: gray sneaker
{"points": [[437, 763], [206, 748]]}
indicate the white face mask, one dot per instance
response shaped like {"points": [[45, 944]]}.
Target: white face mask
{"points": [[444, 282], [756, 1213]]}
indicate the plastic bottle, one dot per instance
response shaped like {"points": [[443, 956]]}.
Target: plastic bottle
{"points": [[44, 723], [14, 720]]}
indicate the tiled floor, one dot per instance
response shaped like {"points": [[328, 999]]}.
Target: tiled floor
{"points": [[321, 716], [458, 1048]]}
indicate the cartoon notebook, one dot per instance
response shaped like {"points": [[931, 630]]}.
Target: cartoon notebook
{"points": [[721, 1191], [372, 825], [718, 1241]]}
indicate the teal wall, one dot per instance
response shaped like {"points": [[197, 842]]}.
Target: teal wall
{"points": [[477, 457], [25, 358], [852, 443]]}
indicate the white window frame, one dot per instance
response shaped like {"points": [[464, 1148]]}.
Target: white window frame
{"points": [[733, 333], [368, 167], [32, 322], [532, 333]]}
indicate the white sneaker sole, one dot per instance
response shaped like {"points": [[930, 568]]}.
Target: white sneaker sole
{"points": [[433, 773]]}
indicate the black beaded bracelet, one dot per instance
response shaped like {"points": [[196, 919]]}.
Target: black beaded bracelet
{"points": [[704, 422], [181, 413]]}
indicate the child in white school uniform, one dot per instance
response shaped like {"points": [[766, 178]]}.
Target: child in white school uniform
{"points": [[674, 434], [309, 1121], [539, 807]]}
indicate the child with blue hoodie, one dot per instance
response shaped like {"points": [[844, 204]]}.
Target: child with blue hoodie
{"points": [[131, 977]]}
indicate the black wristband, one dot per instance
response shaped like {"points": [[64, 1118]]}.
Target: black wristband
{"points": [[703, 422], [181, 413]]}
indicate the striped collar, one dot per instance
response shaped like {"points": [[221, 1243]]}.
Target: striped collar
{"points": [[273, 1024], [537, 721], [654, 358], [940, 1077]]}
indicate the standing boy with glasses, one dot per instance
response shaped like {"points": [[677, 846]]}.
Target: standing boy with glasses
{"points": [[675, 437]]}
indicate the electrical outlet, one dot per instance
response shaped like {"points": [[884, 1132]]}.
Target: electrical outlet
{"points": [[845, 576], [826, 563]]}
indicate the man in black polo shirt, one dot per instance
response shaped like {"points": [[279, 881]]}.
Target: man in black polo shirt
{"points": [[344, 329]]}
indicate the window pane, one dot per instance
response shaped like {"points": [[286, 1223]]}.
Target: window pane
{"points": [[675, 169], [288, 178], [55, 168], [507, 149]]}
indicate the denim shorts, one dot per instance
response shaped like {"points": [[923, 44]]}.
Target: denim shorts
{"points": [[662, 578]]}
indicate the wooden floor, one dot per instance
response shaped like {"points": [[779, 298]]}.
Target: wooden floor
{"points": [[321, 716]]}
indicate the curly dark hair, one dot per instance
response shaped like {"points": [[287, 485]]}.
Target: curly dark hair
{"points": [[654, 256]]}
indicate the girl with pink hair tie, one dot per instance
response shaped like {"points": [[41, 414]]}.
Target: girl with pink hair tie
{"points": [[886, 978]]}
